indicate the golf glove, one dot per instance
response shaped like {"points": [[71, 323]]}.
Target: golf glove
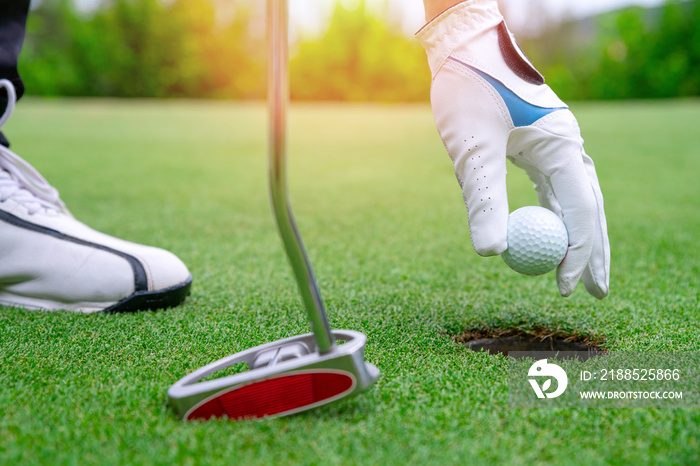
{"points": [[490, 104]]}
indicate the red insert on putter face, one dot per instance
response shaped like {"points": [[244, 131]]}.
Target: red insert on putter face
{"points": [[277, 396]]}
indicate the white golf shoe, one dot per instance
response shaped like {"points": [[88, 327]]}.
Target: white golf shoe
{"points": [[51, 261]]}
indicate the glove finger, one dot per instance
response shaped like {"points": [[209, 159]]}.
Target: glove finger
{"points": [[554, 147], [596, 277], [579, 211]]}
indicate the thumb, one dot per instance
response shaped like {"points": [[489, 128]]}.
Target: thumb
{"points": [[483, 178], [477, 143]]}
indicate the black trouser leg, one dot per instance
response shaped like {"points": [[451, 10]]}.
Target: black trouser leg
{"points": [[13, 20]]}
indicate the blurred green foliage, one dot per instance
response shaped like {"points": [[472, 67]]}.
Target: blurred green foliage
{"points": [[360, 58], [183, 48], [632, 53], [141, 48]]}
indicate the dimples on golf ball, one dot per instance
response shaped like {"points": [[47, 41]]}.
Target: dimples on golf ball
{"points": [[537, 241]]}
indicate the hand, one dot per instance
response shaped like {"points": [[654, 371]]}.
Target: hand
{"points": [[490, 104]]}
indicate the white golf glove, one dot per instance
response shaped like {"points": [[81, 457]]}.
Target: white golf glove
{"points": [[490, 104]]}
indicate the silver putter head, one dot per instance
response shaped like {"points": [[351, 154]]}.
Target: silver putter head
{"points": [[284, 377]]}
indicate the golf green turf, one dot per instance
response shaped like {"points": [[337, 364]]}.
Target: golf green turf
{"points": [[385, 226]]}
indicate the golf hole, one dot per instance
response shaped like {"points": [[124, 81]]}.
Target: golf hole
{"points": [[537, 340]]}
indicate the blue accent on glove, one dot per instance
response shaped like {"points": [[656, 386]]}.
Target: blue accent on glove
{"points": [[521, 112]]}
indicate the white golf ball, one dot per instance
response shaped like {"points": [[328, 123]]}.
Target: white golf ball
{"points": [[537, 241]]}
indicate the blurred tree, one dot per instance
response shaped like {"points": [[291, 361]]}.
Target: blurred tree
{"points": [[360, 58], [676, 65], [142, 48], [632, 53], [621, 70]]}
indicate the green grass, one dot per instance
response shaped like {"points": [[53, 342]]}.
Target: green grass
{"points": [[385, 226]]}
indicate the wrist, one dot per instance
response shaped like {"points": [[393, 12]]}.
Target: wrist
{"points": [[457, 24], [434, 8]]}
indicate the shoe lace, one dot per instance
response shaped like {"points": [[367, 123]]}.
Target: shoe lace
{"points": [[18, 179]]}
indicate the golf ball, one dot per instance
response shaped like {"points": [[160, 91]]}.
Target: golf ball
{"points": [[537, 241]]}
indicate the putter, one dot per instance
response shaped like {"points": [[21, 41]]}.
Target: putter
{"points": [[297, 373]]}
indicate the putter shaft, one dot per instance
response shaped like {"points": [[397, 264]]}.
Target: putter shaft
{"points": [[297, 373], [278, 99]]}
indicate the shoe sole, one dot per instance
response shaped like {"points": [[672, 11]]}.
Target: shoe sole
{"points": [[139, 301], [153, 300]]}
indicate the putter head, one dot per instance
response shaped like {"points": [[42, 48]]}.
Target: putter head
{"points": [[284, 377]]}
